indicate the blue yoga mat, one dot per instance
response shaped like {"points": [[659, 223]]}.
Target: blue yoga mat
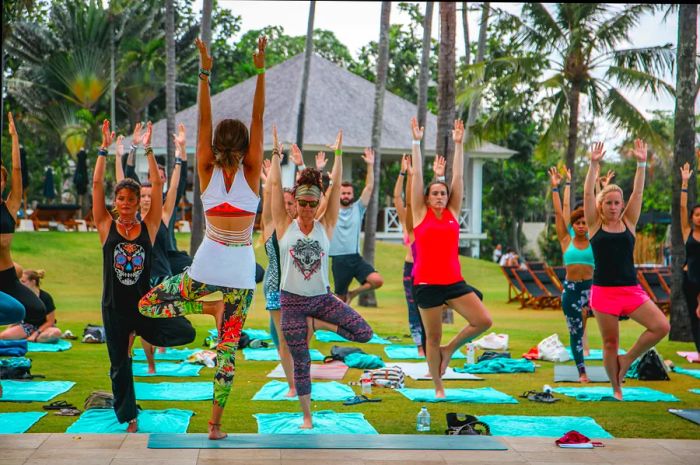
{"points": [[33, 391], [18, 422], [543, 427], [58, 346], [329, 336], [499, 365], [169, 354], [270, 354], [695, 391], [332, 391], [595, 354], [167, 369], [324, 421], [479, 396], [174, 391], [260, 334], [685, 371], [399, 352], [104, 421], [631, 394]]}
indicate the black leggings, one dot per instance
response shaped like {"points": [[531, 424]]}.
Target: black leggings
{"points": [[690, 291], [35, 311]]}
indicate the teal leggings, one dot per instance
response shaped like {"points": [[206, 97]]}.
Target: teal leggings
{"points": [[574, 302]]}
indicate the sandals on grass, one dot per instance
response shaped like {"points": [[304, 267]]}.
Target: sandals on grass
{"points": [[361, 399], [544, 397]]}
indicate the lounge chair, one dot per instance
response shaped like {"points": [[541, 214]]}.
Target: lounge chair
{"points": [[536, 295]]}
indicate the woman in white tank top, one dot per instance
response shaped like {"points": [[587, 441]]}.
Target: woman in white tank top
{"points": [[305, 295]]}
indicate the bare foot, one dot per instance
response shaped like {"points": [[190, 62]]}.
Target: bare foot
{"points": [[306, 424], [584, 378], [132, 337], [445, 357], [617, 393], [623, 363], [421, 352], [440, 393], [133, 426], [215, 432], [350, 296], [586, 352], [151, 370], [161, 350], [291, 393]]}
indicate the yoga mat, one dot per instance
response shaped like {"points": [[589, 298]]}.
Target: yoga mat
{"points": [[543, 427], [335, 370], [364, 361], [324, 421], [104, 421], [18, 422], [58, 346], [169, 354], [326, 441], [499, 365], [411, 353], [632, 394], [260, 334], [595, 354], [685, 371], [270, 354], [569, 373], [695, 391], [329, 336], [167, 369], [689, 414], [174, 391], [479, 396], [33, 391], [331, 391], [692, 357], [419, 372]]}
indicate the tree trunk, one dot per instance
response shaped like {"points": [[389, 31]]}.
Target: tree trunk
{"points": [[112, 77], [572, 139], [424, 70], [305, 76], [446, 85], [170, 77], [475, 105], [369, 299], [197, 209], [683, 152], [465, 30]]}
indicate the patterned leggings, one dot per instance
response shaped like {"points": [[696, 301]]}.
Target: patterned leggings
{"points": [[414, 322], [574, 302], [177, 296], [325, 307]]}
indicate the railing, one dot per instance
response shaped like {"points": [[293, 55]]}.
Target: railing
{"points": [[392, 225]]}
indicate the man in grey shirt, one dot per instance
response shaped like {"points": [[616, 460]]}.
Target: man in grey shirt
{"points": [[345, 245]]}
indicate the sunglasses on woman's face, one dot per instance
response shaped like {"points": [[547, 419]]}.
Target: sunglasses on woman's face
{"points": [[308, 203]]}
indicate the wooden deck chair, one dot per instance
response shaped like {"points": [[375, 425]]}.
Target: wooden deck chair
{"points": [[546, 281], [536, 295], [536, 266], [516, 291], [651, 282], [559, 272]]}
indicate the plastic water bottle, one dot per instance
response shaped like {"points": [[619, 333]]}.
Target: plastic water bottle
{"points": [[547, 388], [471, 353], [423, 420], [366, 383]]}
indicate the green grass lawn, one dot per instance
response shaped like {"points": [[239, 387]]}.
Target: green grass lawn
{"points": [[74, 277]]}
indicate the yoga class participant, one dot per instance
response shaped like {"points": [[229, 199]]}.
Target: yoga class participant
{"points": [[578, 260], [615, 291], [437, 274], [229, 178], [126, 253], [690, 229], [305, 297], [47, 331], [34, 311]]}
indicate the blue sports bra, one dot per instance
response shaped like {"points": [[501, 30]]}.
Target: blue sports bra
{"points": [[576, 256]]}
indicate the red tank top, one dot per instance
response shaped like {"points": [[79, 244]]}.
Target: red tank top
{"points": [[437, 243]]}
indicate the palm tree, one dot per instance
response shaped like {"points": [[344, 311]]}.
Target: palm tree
{"points": [[309, 48], [684, 152], [424, 70], [446, 83], [368, 299], [170, 77]]}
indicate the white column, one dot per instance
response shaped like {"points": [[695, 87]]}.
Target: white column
{"points": [[475, 214]]}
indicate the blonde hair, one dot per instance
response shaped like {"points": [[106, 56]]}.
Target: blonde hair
{"points": [[35, 275], [605, 191]]}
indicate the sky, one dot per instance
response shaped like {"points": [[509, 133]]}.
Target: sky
{"points": [[357, 23]]}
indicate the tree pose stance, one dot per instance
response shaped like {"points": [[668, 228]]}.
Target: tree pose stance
{"points": [[690, 228]]}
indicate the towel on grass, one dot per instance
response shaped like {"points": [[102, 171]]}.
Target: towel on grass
{"points": [[685, 371], [692, 357], [400, 352], [33, 391], [174, 391], [18, 422], [333, 370], [541, 426], [479, 396], [367, 361], [329, 336], [104, 421], [324, 421], [270, 354], [169, 354], [167, 369], [419, 372], [58, 346], [331, 391], [595, 354], [695, 391], [499, 365], [631, 394]]}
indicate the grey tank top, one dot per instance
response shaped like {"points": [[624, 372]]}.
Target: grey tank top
{"points": [[304, 260]]}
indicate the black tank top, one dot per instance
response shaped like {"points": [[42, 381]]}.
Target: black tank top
{"points": [[161, 264], [614, 258], [126, 269], [7, 222], [692, 258]]}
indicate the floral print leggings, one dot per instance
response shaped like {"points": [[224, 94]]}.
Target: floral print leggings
{"points": [[177, 296], [574, 302]]}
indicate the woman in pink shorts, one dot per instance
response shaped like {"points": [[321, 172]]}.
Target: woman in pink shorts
{"points": [[615, 291]]}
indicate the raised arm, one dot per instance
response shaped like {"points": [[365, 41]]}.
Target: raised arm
{"points": [[280, 218], [398, 191], [457, 188], [409, 210], [366, 194], [321, 161], [566, 212], [417, 199], [136, 140], [562, 232], [174, 187], [590, 209], [330, 218], [154, 215], [103, 220], [634, 205], [439, 168], [266, 219], [14, 199], [252, 162], [686, 173], [205, 154], [119, 153]]}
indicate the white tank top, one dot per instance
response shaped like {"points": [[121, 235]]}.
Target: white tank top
{"points": [[240, 200], [304, 260]]}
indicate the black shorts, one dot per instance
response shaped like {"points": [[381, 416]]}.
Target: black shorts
{"points": [[434, 295], [347, 267]]}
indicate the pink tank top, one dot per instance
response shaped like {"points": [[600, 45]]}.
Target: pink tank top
{"points": [[437, 242]]}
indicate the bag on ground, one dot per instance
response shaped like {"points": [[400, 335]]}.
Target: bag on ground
{"points": [[651, 367], [339, 353], [99, 400], [392, 377], [552, 349], [94, 334]]}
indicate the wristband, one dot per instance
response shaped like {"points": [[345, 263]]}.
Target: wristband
{"points": [[102, 152], [568, 183], [440, 178], [149, 149], [641, 164], [301, 167], [178, 161], [402, 173], [134, 147], [205, 72], [415, 142], [260, 70], [555, 189], [684, 190], [338, 152]]}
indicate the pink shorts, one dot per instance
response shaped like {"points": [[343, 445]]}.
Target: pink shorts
{"points": [[617, 300]]}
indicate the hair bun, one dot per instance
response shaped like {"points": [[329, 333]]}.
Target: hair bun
{"points": [[41, 273]]}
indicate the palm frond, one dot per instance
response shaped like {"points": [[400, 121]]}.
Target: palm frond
{"points": [[542, 21], [616, 29], [625, 116], [635, 79], [594, 90], [657, 60], [557, 124]]}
